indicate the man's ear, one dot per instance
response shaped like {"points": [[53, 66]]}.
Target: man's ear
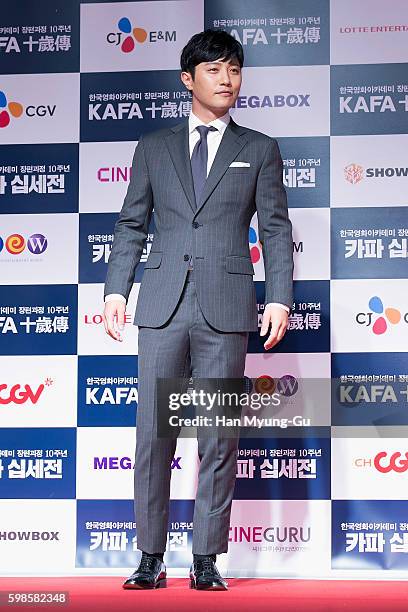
{"points": [[187, 80]]}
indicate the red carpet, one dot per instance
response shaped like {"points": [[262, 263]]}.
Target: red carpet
{"points": [[105, 593]]}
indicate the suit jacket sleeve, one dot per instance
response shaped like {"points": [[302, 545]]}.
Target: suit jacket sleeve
{"points": [[275, 228], [131, 228]]}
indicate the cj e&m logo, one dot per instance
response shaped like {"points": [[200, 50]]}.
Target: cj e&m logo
{"points": [[16, 110], [16, 244], [380, 318], [127, 36], [8, 109], [255, 245], [354, 173]]}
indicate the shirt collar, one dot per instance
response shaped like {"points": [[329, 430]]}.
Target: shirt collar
{"points": [[220, 124]]}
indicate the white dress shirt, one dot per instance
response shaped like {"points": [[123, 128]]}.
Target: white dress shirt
{"points": [[213, 142]]}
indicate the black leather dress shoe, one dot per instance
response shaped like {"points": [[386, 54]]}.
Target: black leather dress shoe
{"points": [[205, 576], [151, 574]]}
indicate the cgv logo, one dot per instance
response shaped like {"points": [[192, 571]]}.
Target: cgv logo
{"points": [[16, 110], [19, 394], [395, 463]]}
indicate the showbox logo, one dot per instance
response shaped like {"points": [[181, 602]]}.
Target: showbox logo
{"points": [[128, 36], [354, 173]]}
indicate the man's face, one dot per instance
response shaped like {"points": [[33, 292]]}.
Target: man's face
{"points": [[216, 84]]}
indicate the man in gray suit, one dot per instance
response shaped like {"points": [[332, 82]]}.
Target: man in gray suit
{"points": [[205, 178]]}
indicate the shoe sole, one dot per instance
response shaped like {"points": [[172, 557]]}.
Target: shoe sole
{"points": [[161, 584], [207, 588]]}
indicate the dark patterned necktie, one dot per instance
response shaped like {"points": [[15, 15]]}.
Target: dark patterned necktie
{"points": [[199, 160]]}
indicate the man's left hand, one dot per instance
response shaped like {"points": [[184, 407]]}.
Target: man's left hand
{"points": [[277, 318]]}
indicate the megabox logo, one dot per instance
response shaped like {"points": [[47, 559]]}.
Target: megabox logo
{"points": [[277, 101], [128, 36], [125, 463], [16, 243]]}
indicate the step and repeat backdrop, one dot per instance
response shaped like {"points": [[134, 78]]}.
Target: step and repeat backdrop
{"points": [[79, 83]]}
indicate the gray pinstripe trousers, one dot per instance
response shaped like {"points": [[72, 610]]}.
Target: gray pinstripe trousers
{"points": [[185, 346]]}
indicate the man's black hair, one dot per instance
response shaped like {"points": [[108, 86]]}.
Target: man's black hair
{"points": [[209, 46]]}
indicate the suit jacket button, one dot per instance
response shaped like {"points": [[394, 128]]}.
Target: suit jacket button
{"points": [[186, 257], [195, 224]]}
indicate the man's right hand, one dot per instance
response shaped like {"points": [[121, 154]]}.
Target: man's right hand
{"points": [[114, 318]]}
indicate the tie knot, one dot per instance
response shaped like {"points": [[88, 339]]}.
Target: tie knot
{"points": [[204, 129]]}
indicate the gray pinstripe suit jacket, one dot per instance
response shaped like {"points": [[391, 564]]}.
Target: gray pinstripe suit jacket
{"points": [[215, 232]]}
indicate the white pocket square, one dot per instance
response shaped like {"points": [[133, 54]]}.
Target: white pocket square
{"points": [[240, 165]]}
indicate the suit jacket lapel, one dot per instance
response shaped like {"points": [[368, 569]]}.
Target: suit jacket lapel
{"points": [[178, 146], [177, 143], [231, 144]]}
